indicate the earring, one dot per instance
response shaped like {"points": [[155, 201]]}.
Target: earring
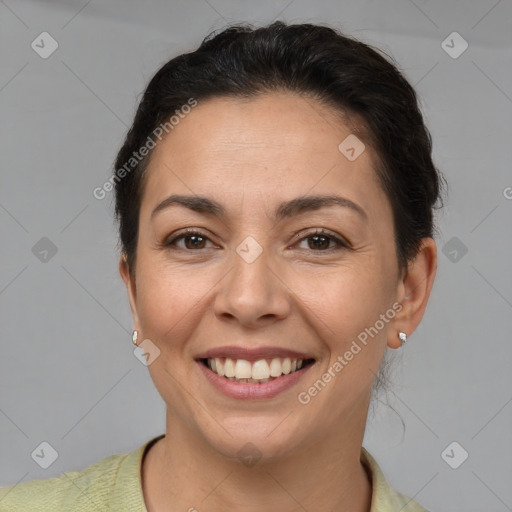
{"points": [[135, 335], [403, 338]]}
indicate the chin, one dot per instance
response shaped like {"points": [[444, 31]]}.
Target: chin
{"points": [[252, 440]]}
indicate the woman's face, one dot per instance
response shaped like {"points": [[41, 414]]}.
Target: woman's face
{"points": [[255, 277]]}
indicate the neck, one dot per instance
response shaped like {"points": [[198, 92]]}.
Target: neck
{"points": [[184, 472]]}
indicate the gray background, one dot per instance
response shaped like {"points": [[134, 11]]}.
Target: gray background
{"points": [[68, 374]]}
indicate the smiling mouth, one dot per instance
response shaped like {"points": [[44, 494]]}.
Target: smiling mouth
{"points": [[261, 371]]}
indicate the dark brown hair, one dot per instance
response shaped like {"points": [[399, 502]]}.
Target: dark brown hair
{"points": [[313, 60]]}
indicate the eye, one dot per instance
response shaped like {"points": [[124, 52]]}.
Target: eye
{"points": [[192, 240], [320, 241]]}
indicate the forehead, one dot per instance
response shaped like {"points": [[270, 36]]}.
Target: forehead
{"points": [[264, 147]]}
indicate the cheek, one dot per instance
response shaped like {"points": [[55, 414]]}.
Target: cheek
{"points": [[354, 292], [170, 301], [350, 307]]}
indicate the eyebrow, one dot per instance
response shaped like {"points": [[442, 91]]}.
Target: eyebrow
{"points": [[286, 209]]}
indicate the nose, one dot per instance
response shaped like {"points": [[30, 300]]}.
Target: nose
{"points": [[252, 293]]}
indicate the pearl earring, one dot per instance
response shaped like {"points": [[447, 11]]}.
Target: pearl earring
{"points": [[135, 335], [403, 338]]}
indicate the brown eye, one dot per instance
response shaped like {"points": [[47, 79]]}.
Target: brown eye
{"points": [[196, 241], [319, 241], [193, 240]]}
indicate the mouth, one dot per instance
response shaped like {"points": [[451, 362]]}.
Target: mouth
{"points": [[260, 371], [256, 373]]}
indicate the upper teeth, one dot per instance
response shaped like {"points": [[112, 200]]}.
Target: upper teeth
{"points": [[259, 370]]}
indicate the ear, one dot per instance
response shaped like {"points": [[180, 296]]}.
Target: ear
{"points": [[414, 291], [129, 282]]}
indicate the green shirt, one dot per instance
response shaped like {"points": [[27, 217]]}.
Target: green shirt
{"points": [[114, 484]]}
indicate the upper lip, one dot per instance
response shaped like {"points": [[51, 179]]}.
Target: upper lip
{"points": [[252, 354]]}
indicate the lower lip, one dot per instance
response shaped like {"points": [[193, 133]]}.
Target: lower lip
{"points": [[250, 390]]}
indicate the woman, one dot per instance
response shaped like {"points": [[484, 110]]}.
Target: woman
{"points": [[275, 196]]}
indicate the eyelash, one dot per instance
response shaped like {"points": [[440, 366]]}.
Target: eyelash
{"points": [[171, 244]]}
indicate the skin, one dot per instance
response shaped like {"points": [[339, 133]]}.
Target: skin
{"points": [[250, 155]]}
